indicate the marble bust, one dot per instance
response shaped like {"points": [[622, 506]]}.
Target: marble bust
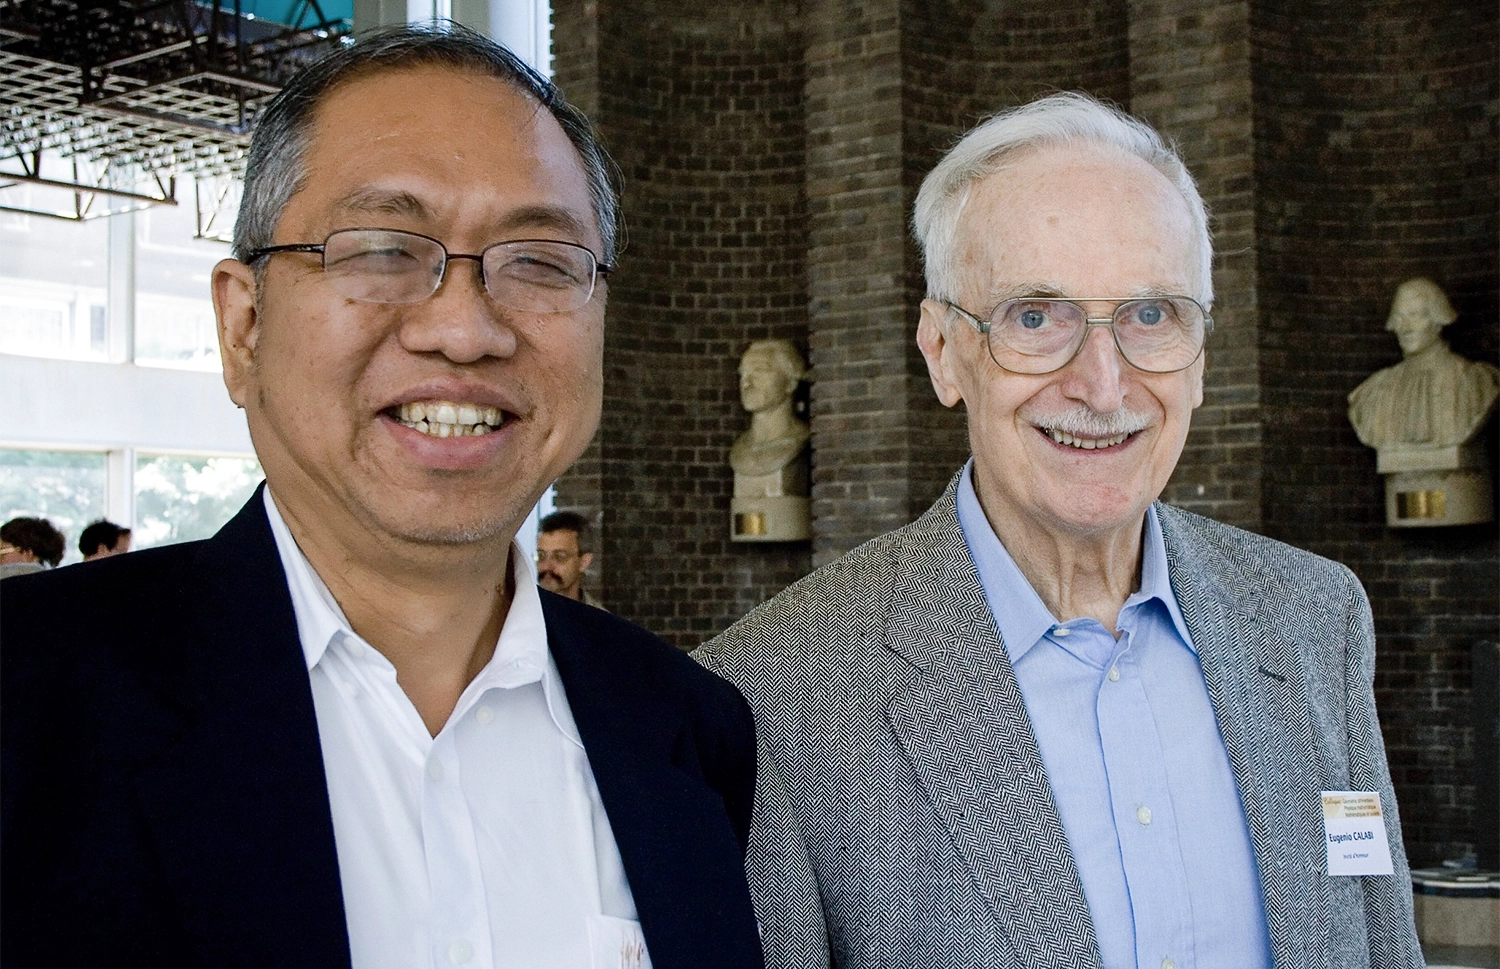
{"points": [[770, 459], [1433, 397], [1423, 414]]}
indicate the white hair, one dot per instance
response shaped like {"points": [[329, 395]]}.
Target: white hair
{"points": [[1058, 119]]}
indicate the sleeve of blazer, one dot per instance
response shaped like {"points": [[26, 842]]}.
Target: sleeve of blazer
{"points": [[787, 901], [1388, 900], [783, 887], [734, 775]]}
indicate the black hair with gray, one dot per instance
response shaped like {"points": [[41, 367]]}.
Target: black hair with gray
{"points": [[569, 521], [275, 167]]}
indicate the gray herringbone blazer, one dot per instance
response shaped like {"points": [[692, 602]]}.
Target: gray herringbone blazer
{"points": [[903, 817]]}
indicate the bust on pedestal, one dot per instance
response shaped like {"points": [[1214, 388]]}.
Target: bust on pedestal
{"points": [[770, 459], [1423, 414]]}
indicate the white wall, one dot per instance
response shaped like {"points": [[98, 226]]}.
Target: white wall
{"points": [[72, 404]]}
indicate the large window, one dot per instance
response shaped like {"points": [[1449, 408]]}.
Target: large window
{"points": [[67, 488], [174, 313], [181, 498], [53, 281]]}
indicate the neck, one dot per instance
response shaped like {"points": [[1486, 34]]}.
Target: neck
{"points": [[434, 610], [1431, 352], [774, 424], [1077, 576]]}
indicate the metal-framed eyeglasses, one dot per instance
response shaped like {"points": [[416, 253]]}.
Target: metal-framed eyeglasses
{"points": [[1038, 335], [391, 266]]}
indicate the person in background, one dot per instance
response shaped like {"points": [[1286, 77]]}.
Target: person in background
{"points": [[564, 552], [102, 539], [29, 545]]}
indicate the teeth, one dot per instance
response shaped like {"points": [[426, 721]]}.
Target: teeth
{"points": [[1085, 443], [442, 418]]}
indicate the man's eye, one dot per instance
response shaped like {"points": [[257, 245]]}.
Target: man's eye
{"points": [[1033, 318], [382, 262], [1149, 314], [539, 270]]}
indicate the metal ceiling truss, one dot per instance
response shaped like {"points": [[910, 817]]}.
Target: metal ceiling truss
{"points": [[120, 98]]}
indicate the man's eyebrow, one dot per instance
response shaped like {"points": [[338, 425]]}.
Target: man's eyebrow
{"points": [[1023, 290], [1040, 290], [396, 202], [553, 217], [381, 200]]}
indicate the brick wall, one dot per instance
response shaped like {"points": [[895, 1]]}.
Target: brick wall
{"points": [[1190, 77], [703, 113], [771, 153], [1376, 161]]}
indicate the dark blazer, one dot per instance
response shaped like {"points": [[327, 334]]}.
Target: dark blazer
{"points": [[162, 786]]}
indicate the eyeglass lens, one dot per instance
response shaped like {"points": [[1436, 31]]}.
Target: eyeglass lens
{"points": [[1160, 334], [385, 266]]}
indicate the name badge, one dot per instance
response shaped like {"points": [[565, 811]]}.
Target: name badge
{"points": [[1355, 833]]}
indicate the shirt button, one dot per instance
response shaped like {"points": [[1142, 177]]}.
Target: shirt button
{"points": [[484, 714], [1168, 963], [1143, 815], [435, 770], [1059, 631], [1114, 674], [460, 952]]}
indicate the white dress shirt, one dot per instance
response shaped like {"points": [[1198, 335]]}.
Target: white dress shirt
{"points": [[484, 846]]}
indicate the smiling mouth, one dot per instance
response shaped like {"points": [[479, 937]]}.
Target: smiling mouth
{"points": [[1086, 443], [444, 418]]}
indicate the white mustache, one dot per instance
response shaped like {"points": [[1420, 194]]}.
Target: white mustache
{"points": [[1080, 421]]}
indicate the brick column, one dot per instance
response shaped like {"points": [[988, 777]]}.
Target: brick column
{"points": [[1190, 77], [861, 304]]}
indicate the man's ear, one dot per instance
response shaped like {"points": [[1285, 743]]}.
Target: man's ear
{"points": [[585, 559], [239, 325], [939, 352]]}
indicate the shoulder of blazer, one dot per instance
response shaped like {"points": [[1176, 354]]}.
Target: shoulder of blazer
{"points": [[849, 599], [1245, 566], [624, 683], [628, 662]]}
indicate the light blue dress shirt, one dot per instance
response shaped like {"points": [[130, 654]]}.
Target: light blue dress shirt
{"points": [[1137, 765]]}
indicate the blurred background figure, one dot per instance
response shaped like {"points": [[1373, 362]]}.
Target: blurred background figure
{"points": [[103, 538], [564, 551], [29, 545]]}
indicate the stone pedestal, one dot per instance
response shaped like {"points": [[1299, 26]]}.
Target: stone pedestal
{"points": [[772, 507], [1429, 487], [1458, 914]]}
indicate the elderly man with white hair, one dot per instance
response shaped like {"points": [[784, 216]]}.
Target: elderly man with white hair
{"points": [[1054, 722]]}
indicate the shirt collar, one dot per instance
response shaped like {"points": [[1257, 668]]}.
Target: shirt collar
{"points": [[1156, 576], [1021, 617], [521, 654]]}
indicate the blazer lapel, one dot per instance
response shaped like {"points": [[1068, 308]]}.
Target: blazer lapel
{"points": [[680, 853], [1259, 697], [963, 724], [238, 803]]}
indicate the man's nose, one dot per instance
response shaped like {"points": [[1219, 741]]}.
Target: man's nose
{"points": [[460, 320], [1093, 376]]}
